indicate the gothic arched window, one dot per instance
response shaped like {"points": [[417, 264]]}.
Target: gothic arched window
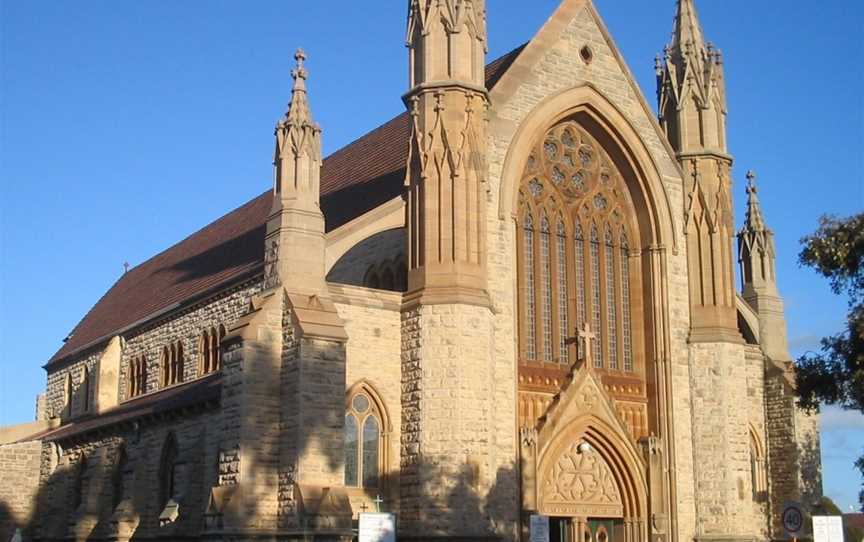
{"points": [[172, 364], [137, 376], [168, 471], [79, 487], [364, 440], [118, 480], [576, 266], [85, 390], [210, 349]]}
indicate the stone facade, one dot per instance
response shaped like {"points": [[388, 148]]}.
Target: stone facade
{"points": [[261, 449], [20, 464]]}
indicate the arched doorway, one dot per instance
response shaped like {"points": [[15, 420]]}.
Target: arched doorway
{"points": [[589, 481]]}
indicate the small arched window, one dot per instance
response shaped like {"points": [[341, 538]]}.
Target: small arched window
{"points": [[364, 440], [210, 349], [137, 376], [371, 280], [758, 475], [79, 485], [172, 364], [85, 390], [118, 477], [168, 471]]}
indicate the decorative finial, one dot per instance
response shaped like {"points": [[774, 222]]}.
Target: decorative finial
{"points": [[125, 267], [299, 73], [751, 181]]}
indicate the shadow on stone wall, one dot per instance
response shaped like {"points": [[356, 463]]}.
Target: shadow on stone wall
{"points": [[7, 523], [458, 500]]}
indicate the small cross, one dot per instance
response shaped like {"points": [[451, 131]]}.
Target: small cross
{"points": [[125, 267], [364, 507], [585, 334], [378, 502], [299, 71], [751, 180]]}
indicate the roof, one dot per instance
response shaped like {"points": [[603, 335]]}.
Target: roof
{"points": [[354, 180]]}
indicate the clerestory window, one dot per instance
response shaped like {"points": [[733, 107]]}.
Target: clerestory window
{"points": [[137, 376], [210, 349], [172, 364]]}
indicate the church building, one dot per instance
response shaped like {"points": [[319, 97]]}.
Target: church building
{"points": [[516, 298]]}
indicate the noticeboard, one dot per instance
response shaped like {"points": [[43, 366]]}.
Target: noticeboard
{"points": [[377, 528], [539, 528], [828, 529]]}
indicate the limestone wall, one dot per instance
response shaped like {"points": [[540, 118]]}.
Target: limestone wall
{"points": [[755, 368], [185, 325], [56, 389], [559, 68], [19, 464], [794, 454], [197, 442], [372, 321]]}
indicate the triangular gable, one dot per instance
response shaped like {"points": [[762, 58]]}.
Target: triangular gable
{"points": [[580, 17], [583, 396]]}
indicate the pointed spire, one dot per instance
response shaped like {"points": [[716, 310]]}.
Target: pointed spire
{"points": [[754, 221], [687, 34], [298, 112]]}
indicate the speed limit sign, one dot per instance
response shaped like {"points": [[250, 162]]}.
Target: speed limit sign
{"points": [[793, 519]]}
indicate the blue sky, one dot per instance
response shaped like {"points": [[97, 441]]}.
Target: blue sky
{"points": [[126, 126]]}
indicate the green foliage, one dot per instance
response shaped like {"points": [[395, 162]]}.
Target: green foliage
{"points": [[835, 375]]}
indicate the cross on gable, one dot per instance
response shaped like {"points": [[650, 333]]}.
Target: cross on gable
{"points": [[583, 340]]}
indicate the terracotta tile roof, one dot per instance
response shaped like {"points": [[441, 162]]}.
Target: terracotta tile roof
{"points": [[354, 180], [184, 395]]}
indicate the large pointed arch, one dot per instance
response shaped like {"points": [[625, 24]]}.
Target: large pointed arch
{"points": [[606, 123]]}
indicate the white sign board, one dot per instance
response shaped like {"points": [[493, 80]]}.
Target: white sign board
{"points": [[377, 528], [793, 519], [539, 528], [827, 529]]}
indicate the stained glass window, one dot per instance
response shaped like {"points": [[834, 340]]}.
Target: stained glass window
{"points": [[530, 305], [370, 452], [363, 442], [571, 177], [595, 297], [563, 331], [352, 447], [625, 303], [611, 302], [546, 288]]}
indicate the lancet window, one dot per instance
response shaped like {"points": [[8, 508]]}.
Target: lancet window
{"points": [[210, 349], [364, 440], [576, 266], [137, 376], [168, 471], [172, 364]]}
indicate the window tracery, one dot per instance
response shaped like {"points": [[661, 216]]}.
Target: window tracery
{"points": [[364, 440], [575, 268]]}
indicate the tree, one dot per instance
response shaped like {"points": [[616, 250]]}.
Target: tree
{"points": [[835, 375]]}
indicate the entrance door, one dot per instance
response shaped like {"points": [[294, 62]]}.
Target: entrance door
{"points": [[559, 530], [604, 530]]}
